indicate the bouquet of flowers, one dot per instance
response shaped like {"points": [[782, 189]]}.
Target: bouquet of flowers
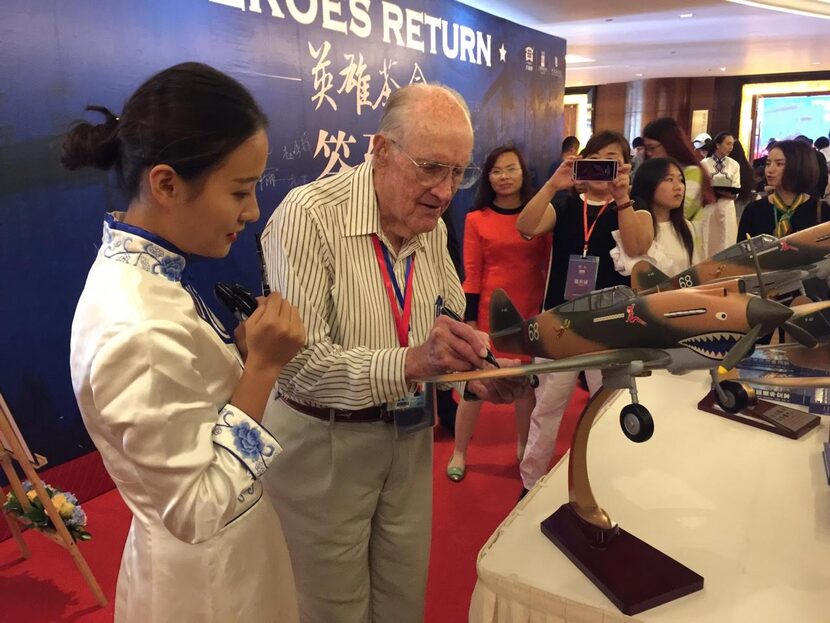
{"points": [[74, 517]]}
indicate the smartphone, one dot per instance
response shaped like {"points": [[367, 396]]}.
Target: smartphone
{"points": [[237, 298], [594, 170]]}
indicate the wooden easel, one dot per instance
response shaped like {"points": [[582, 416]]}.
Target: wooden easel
{"points": [[13, 448]]}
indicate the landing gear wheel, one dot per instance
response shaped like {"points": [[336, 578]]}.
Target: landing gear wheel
{"points": [[737, 397], [636, 423]]}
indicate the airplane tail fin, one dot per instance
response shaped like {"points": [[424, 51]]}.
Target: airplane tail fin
{"points": [[646, 275], [506, 323]]}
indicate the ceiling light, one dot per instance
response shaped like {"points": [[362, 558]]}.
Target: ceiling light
{"points": [[816, 62], [573, 59], [817, 8], [685, 15], [639, 75], [723, 68]]}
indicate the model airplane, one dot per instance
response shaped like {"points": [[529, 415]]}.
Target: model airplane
{"points": [[783, 262], [626, 335], [815, 322]]}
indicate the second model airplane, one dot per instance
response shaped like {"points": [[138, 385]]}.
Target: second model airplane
{"points": [[627, 335]]}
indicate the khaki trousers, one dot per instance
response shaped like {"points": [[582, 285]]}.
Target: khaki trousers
{"points": [[355, 502]]}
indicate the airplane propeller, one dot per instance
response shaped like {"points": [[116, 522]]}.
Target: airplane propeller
{"points": [[741, 349], [798, 333], [763, 316]]}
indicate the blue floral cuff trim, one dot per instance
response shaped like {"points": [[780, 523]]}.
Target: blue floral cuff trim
{"points": [[246, 439]]}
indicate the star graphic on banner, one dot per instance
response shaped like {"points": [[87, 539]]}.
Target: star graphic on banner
{"points": [[502, 53]]}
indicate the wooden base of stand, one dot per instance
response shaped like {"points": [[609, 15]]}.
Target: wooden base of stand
{"points": [[632, 574], [774, 418]]}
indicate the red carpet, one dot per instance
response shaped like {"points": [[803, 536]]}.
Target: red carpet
{"points": [[47, 588]]}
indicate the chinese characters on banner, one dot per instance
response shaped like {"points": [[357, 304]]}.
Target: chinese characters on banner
{"points": [[334, 145]]}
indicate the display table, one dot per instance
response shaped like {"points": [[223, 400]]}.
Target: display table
{"points": [[746, 509]]}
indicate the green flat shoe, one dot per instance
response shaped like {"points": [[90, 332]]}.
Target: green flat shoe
{"points": [[456, 474]]}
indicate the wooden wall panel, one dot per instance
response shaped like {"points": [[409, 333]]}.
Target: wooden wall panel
{"points": [[628, 106]]}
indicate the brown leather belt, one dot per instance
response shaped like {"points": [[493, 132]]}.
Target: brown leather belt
{"points": [[370, 414]]}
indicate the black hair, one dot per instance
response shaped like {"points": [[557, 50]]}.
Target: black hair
{"points": [[638, 142], [603, 139], [719, 138], [570, 142], [801, 168], [747, 173], [189, 116], [822, 142], [649, 175], [677, 145], [485, 193]]}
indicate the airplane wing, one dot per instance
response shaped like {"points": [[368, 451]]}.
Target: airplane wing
{"points": [[651, 358], [775, 281]]}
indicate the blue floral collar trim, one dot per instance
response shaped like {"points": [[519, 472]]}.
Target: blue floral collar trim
{"points": [[138, 247]]}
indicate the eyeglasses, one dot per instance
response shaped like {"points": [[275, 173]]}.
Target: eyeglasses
{"points": [[652, 147], [509, 171], [430, 174]]}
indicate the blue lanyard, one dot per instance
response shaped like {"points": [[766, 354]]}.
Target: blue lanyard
{"points": [[390, 269]]}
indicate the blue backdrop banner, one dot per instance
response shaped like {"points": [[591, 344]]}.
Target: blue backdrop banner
{"points": [[321, 69]]}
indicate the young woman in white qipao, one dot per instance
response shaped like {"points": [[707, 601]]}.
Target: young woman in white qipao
{"points": [[169, 400]]}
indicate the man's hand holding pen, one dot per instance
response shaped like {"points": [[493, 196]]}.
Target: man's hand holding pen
{"points": [[453, 346], [446, 311]]}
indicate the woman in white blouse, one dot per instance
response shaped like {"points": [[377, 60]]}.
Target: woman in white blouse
{"points": [[659, 187], [160, 384]]}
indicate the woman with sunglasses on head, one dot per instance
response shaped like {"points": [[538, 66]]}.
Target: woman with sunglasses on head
{"points": [[582, 227], [161, 387], [659, 187], [496, 256], [713, 221]]}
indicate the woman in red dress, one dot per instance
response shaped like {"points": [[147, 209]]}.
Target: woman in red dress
{"points": [[496, 256]]}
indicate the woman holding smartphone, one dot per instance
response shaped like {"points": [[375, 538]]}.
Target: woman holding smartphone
{"points": [[582, 227], [161, 387]]}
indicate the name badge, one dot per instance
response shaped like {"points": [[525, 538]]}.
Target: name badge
{"points": [[415, 411], [582, 276]]}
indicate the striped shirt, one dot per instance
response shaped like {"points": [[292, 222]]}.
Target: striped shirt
{"points": [[319, 254]]}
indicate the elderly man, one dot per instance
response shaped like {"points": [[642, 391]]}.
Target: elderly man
{"points": [[363, 255]]}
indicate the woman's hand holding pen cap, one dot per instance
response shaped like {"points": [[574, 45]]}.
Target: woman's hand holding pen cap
{"points": [[273, 334]]}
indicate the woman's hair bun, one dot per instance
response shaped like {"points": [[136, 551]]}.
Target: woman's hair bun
{"points": [[87, 145]]}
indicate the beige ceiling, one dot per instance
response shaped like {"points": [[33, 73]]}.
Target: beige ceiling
{"points": [[637, 39]]}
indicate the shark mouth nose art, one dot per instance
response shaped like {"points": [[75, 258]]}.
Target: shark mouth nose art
{"points": [[712, 345]]}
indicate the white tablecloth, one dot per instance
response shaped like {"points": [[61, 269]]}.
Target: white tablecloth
{"points": [[746, 509]]}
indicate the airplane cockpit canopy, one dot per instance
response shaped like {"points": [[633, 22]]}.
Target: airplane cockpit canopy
{"points": [[598, 299], [761, 243]]}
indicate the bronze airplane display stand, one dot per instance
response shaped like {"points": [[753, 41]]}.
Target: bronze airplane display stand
{"points": [[825, 455], [631, 573], [768, 416]]}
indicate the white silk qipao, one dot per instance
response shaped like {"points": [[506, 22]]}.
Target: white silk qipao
{"points": [[153, 380]]}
